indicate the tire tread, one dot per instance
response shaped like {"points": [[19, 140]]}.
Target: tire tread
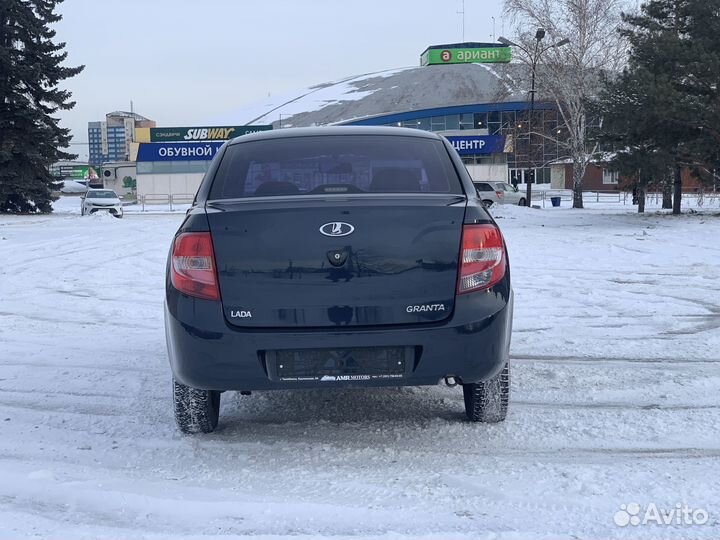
{"points": [[487, 401], [196, 411]]}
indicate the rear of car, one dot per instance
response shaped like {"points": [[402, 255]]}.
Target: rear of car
{"points": [[489, 193], [337, 257], [510, 193]]}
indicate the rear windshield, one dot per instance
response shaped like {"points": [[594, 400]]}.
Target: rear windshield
{"points": [[482, 186], [335, 165]]}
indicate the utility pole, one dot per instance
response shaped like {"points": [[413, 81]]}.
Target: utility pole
{"points": [[539, 36], [463, 19], [534, 57]]}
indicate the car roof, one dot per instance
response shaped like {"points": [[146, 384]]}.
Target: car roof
{"points": [[333, 131]]}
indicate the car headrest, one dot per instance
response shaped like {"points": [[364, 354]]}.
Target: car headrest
{"points": [[396, 180], [267, 189]]}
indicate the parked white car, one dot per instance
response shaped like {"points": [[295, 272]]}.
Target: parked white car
{"points": [[101, 200], [499, 193]]}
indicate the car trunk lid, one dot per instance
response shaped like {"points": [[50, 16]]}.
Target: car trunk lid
{"points": [[321, 261]]}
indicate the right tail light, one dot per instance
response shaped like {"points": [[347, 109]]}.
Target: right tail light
{"points": [[482, 258]]}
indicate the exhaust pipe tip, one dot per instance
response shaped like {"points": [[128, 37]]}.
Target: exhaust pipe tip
{"points": [[451, 380]]}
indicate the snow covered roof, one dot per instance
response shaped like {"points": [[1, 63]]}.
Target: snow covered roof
{"points": [[387, 92], [126, 114]]}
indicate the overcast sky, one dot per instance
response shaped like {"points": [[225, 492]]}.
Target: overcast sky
{"points": [[183, 62]]}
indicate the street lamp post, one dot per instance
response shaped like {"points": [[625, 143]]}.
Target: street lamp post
{"points": [[534, 56]]}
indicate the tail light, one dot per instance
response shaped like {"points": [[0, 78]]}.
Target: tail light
{"points": [[193, 266], [499, 194], [482, 259]]}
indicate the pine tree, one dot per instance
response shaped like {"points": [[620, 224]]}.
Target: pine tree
{"points": [[30, 137], [667, 101]]}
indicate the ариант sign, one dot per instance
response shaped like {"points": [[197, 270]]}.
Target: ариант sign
{"points": [[466, 53]]}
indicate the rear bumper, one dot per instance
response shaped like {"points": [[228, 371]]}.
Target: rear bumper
{"points": [[205, 352]]}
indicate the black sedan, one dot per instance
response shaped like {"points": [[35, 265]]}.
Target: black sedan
{"points": [[337, 257]]}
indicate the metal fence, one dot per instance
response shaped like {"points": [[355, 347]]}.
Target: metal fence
{"points": [[700, 198], [174, 199], [542, 197]]}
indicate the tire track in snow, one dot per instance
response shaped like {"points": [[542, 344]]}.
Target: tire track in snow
{"points": [[598, 360]]}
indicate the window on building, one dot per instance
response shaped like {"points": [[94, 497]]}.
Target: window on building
{"points": [[452, 121], [610, 177], [480, 120], [494, 123], [467, 121], [437, 123]]}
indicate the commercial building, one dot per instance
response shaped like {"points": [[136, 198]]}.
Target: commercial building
{"points": [[171, 161], [469, 92], [110, 140]]}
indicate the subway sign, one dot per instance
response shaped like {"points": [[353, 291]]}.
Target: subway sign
{"points": [[475, 55], [473, 145], [203, 133]]}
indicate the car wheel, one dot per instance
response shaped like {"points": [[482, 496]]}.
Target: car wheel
{"points": [[521, 202], [487, 401], [488, 203], [196, 411], [119, 216]]}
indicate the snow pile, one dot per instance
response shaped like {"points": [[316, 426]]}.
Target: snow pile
{"points": [[70, 186]]}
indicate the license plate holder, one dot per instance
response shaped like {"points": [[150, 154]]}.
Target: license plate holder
{"points": [[356, 364]]}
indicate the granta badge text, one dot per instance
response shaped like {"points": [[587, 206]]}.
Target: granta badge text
{"points": [[425, 308]]}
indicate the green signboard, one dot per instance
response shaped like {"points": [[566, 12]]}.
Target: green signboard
{"points": [[466, 56], [80, 172], [218, 133]]}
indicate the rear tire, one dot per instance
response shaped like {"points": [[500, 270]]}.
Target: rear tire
{"points": [[487, 401], [521, 202], [488, 203], [196, 411]]}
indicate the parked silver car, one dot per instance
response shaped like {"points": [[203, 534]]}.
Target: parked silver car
{"points": [[499, 193]]}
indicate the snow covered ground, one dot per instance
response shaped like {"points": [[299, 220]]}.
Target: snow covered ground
{"points": [[616, 399]]}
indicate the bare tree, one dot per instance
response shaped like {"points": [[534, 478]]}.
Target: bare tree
{"points": [[570, 75]]}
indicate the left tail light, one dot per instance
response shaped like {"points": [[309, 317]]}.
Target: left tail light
{"points": [[193, 266], [482, 258], [499, 194]]}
